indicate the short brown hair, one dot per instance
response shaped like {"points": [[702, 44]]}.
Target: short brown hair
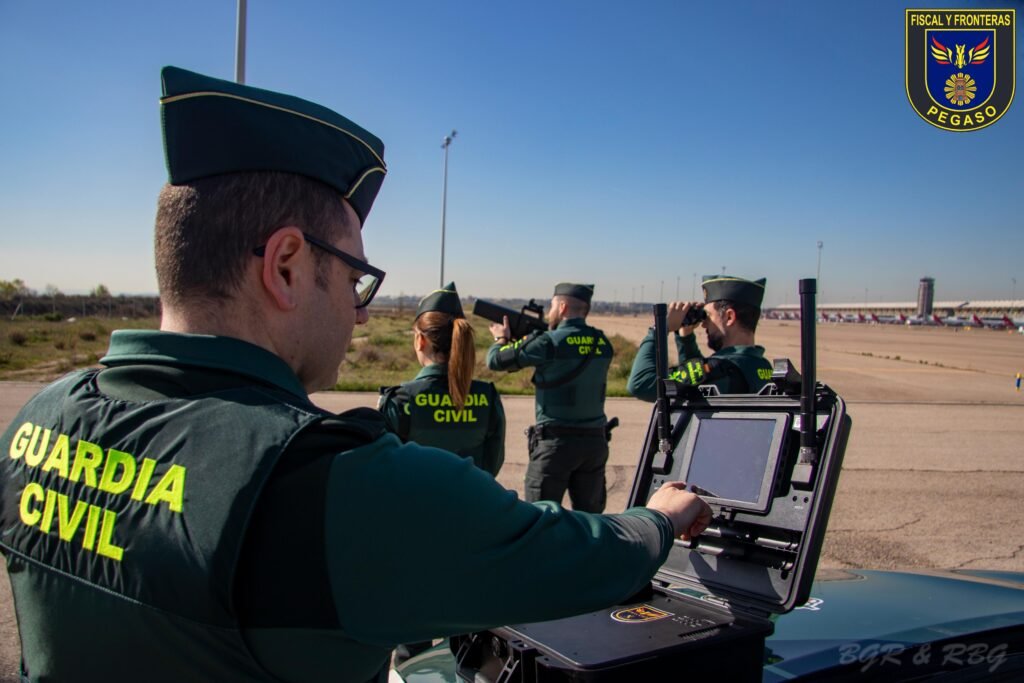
{"points": [[575, 308], [746, 315], [206, 229]]}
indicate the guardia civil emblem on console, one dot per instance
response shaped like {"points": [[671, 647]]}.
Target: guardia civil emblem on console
{"points": [[640, 613], [960, 65]]}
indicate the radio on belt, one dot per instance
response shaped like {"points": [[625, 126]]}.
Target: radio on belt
{"points": [[768, 464]]}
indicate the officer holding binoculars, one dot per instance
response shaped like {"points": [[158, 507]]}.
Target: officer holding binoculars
{"points": [[729, 315]]}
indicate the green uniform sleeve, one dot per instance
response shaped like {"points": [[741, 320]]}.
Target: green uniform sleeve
{"points": [[687, 347], [390, 409], [494, 445], [692, 369], [643, 377], [422, 544], [527, 352]]}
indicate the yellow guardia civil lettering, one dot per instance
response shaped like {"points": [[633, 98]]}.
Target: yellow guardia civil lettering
{"points": [[68, 521], [118, 472], [450, 415], [696, 370], [58, 459], [88, 458], [445, 401], [111, 471], [764, 373]]}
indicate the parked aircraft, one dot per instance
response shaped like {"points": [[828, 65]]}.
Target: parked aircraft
{"points": [[953, 321], [898, 319], [1001, 323]]}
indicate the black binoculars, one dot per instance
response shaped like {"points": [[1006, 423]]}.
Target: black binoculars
{"points": [[695, 315]]}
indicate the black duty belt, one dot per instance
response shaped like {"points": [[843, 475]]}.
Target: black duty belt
{"points": [[548, 431]]}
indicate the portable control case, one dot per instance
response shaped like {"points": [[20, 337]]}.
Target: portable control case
{"points": [[768, 465]]}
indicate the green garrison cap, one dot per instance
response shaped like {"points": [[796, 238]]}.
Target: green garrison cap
{"points": [[443, 300], [213, 127], [581, 292], [729, 288]]}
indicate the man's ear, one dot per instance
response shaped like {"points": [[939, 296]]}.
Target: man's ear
{"points": [[729, 317], [286, 262]]}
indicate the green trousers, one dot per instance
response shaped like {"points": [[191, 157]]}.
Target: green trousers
{"points": [[567, 462]]}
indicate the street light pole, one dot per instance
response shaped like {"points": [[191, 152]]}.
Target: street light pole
{"points": [[240, 44], [818, 277], [445, 144]]}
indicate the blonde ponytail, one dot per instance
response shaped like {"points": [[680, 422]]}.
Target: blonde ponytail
{"points": [[461, 360], [453, 338]]}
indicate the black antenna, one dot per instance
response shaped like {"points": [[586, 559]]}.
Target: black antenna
{"points": [[663, 459], [803, 471]]}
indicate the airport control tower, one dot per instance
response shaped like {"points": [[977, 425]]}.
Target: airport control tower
{"points": [[925, 296]]}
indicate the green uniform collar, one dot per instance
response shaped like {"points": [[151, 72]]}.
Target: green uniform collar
{"points": [[201, 350], [572, 322], [753, 350], [431, 371], [738, 350]]}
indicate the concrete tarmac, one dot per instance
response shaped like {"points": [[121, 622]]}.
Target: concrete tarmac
{"points": [[934, 469]]}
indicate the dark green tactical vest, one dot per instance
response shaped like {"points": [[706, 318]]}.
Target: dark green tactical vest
{"points": [[757, 371], [571, 387], [732, 373], [122, 524], [427, 416]]}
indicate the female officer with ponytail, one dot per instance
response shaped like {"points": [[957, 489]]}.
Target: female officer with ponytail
{"points": [[444, 406]]}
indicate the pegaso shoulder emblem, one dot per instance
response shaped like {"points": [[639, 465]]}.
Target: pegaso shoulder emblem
{"points": [[639, 613], [960, 65]]}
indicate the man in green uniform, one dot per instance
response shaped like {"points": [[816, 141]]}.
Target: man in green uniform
{"points": [[424, 410], [732, 307], [569, 443], [186, 512]]}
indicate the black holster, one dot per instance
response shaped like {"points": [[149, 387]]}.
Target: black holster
{"points": [[608, 427]]}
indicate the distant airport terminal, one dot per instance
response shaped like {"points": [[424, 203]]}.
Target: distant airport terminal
{"points": [[993, 314]]}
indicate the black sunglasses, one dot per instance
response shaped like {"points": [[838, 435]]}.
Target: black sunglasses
{"points": [[367, 285]]}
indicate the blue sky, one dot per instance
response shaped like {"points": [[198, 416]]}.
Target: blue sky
{"points": [[627, 144]]}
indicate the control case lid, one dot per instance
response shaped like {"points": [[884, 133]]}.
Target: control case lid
{"points": [[770, 497]]}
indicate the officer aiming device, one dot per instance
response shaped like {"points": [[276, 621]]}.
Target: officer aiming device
{"points": [[530, 317], [768, 465]]}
